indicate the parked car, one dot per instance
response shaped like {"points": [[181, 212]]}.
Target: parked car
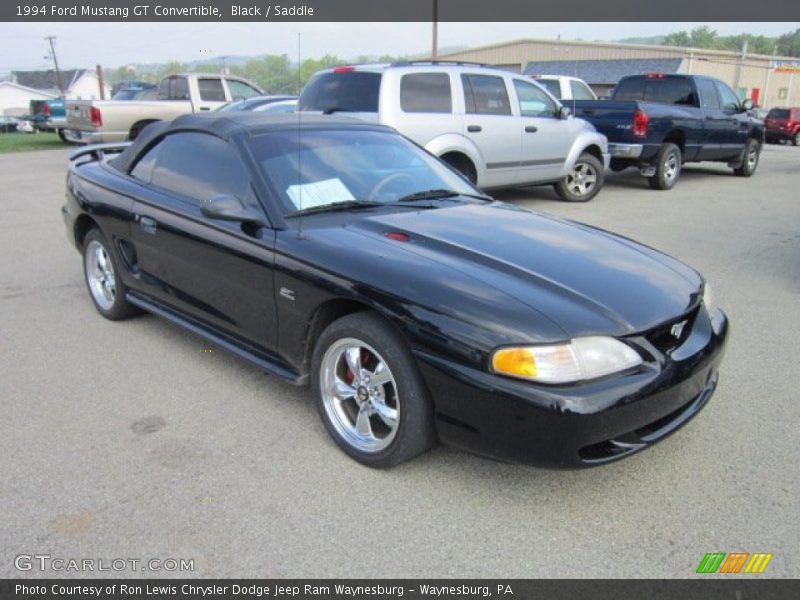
{"points": [[337, 253], [783, 125], [497, 128], [25, 124], [49, 115], [564, 87], [658, 122], [95, 121], [8, 124], [259, 103]]}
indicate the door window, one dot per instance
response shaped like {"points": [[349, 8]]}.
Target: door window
{"points": [[211, 89], [533, 101], [730, 101], [580, 91], [198, 166], [241, 90], [485, 95]]}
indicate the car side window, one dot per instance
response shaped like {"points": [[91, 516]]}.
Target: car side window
{"points": [[551, 85], [211, 89], [143, 169], [426, 93], [198, 166], [241, 90], [485, 95], [708, 94], [580, 91], [533, 101], [730, 101]]}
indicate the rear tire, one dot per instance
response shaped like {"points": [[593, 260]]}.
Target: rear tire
{"points": [[463, 165], [750, 159], [101, 273], [583, 182], [796, 139], [370, 393], [668, 167]]}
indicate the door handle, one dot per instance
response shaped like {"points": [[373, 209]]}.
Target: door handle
{"points": [[204, 108], [531, 129], [474, 128], [147, 224]]}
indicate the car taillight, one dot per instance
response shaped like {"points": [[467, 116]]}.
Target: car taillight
{"points": [[641, 123], [46, 110], [97, 117], [344, 69]]}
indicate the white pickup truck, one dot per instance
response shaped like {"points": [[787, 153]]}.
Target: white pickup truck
{"points": [[102, 121]]}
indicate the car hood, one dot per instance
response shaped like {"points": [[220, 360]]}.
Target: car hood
{"points": [[585, 280]]}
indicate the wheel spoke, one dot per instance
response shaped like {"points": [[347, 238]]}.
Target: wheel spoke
{"points": [[353, 357], [381, 375], [386, 413], [342, 390], [363, 426]]}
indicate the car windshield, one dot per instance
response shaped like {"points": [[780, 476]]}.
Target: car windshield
{"points": [[330, 167]]}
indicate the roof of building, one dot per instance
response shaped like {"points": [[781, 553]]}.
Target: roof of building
{"points": [[27, 89], [596, 72], [47, 80]]}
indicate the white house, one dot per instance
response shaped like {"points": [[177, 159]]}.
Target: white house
{"points": [[79, 84], [15, 98]]}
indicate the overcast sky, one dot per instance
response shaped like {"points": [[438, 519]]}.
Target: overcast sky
{"points": [[113, 44]]}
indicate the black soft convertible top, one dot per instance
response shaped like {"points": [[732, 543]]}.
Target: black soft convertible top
{"points": [[227, 125]]}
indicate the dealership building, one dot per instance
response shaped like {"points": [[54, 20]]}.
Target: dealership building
{"points": [[769, 80]]}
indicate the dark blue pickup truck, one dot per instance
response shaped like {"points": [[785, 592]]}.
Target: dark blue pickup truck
{"points": [[657, 122]]}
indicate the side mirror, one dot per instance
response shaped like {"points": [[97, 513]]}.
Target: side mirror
{"points": [[747, 104], [564, 112], [225, 207]]}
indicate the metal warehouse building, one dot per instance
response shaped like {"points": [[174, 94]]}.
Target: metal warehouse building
{"points": [[769, 80]]}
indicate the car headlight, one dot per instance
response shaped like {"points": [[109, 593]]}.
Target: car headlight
{"points": [[579, 360], [709, 300]]}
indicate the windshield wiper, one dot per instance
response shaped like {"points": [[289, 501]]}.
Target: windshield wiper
{"points": [[335, 206], [438, 193]]}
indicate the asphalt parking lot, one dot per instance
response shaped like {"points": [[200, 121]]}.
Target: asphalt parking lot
{"points": [[138, 440]]}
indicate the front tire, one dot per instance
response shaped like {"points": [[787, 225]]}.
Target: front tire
{"points": [[583, 182], [796, 139], [749, 160], [102, 278], [370, 393], [668, 167]]}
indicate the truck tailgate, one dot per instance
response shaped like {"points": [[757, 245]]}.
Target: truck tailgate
{"points": [[614, 119], [79, 115]]}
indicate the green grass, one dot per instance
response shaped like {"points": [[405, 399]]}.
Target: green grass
{"points": [[24, 142]]}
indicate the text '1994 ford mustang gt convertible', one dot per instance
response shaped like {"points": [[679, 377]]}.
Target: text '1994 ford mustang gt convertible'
{"points": [[338, 253]]}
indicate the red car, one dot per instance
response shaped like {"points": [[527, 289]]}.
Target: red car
{"points": [[783, 124]]}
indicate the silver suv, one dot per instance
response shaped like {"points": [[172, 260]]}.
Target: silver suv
{"points": [[497, 128]]}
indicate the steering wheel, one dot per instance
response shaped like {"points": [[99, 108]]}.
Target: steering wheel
{"points": [[378, 187]]}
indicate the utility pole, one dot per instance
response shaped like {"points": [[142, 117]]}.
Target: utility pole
{"points": [[435, 49], [741, 67], [51, 39]]}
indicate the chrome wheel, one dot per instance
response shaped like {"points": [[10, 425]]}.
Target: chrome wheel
{"points": [[582, 179], [671, 167], [752, 157], [359, 395], [100, 275]]}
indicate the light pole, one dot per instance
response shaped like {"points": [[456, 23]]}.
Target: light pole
{"points": [[435, 49]]}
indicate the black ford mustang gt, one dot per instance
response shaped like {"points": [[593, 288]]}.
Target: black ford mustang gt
{"points": [[337, 253]]}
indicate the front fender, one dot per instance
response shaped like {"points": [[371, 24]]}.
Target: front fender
{"points": [[582, 142]]}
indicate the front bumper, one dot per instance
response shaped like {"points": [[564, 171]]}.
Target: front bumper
{"points": [[778, 135], [582, 424]]}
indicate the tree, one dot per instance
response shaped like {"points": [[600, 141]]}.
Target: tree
{"points": [[273, 73], [789, 44], [679, 38], [312, 65], [703, 37]]}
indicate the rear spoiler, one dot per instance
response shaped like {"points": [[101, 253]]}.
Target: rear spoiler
{"points": [[99, 151]]}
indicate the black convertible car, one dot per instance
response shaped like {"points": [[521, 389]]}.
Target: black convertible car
{"points": [[337, 253]]}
